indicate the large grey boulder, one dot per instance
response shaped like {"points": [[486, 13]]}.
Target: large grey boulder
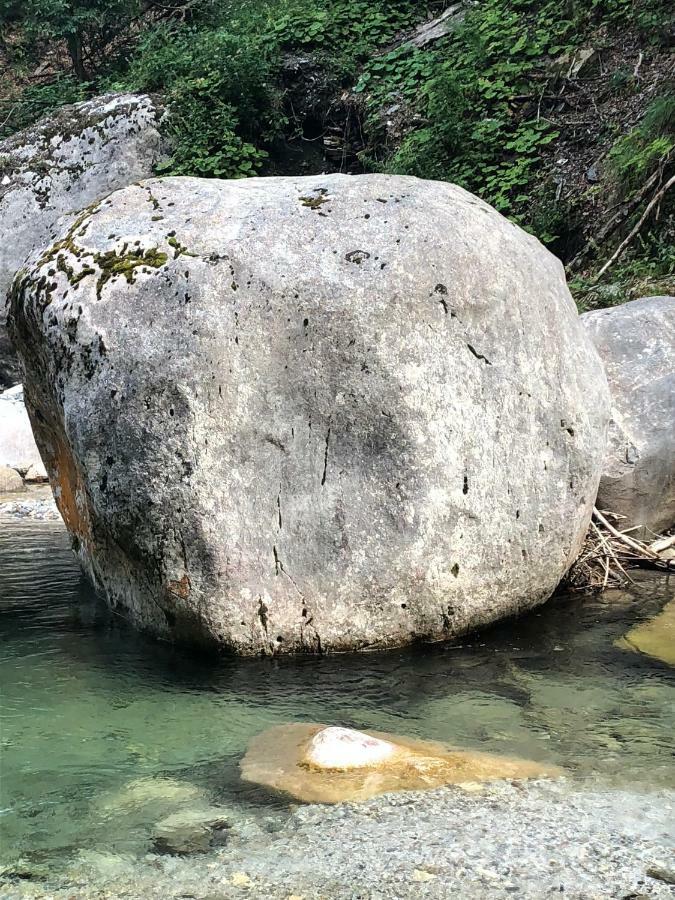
{"points": [[70, 159], [306, 414], [636, 343]]}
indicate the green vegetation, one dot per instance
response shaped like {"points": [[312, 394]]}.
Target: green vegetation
{"points": [[637, 155], [493, 105]]}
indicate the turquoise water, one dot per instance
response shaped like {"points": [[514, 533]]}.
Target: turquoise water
{"points": [[88, 707]]}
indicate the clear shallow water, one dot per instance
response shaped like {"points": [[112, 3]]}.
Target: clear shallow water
{"points": [[88, 706]]}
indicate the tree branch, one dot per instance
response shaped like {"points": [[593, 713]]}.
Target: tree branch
{"points": [[658, 196]]}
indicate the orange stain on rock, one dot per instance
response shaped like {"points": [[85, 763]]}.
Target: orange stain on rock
{"points": [[180, 588]]}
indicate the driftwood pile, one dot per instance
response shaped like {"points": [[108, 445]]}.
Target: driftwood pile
{"points": [[609, 553]]}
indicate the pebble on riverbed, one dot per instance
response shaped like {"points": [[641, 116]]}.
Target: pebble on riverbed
{"points": [[36, 502], [320, 764], [527, 840]]}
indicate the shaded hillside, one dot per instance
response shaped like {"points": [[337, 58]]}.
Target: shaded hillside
{"points": [[561, 115]]}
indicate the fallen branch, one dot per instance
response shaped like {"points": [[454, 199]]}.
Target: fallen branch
{"points": [[658, 196], [625, 209], [621, 536], [608, 553], [638, 64]]}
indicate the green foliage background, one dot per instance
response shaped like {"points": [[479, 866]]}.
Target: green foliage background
{"points": [[471, 102]]}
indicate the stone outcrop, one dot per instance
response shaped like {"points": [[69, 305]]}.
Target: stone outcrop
{"points": [[311, 414], [319, 764], [56, 168], [636, 342], [10, 480], [17, 444]]}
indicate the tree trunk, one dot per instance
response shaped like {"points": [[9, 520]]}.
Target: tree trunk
{"points": [[74, 41]]}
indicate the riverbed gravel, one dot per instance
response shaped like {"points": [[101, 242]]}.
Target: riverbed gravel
{"points": [[505, 840], [36, 503]]}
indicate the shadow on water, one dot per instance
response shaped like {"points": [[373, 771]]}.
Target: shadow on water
{"points": [[89, 706]]}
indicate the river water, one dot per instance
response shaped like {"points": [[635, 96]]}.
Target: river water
{"points": [[89, 707]]}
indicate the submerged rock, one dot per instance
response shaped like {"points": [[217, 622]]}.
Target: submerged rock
{"points": [[191, 830], [158, 795], [319, 764], [636, 342], [17, 444], [655, 638], [55, 168], [312, 414]]}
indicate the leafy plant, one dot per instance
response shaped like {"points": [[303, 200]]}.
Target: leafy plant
{"points": [[224, 103], [636, 155], [40, 99], [465, 94]]}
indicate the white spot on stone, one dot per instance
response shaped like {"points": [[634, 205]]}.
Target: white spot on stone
{"points": [[343, 748]]}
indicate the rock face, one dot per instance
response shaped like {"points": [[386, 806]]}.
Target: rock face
{"points": [[636, 342], [311, 414], [59, 166], [356, 765], [17, 444]]}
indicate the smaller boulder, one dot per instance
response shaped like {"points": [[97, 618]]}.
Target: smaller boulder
{"points": [[57, 167], [10, 481], [636, 343], [17, 444], [319, 764]]}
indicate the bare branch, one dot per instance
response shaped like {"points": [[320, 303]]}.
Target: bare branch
{"points": [[658, 196]]}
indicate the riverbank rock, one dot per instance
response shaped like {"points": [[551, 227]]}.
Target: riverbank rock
{"points": [[655, 638], [311, 414], [10, 481], [17, 444], [55, 168], [636, 342], [319, 764]]}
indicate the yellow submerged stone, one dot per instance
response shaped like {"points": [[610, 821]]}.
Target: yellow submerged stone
{"points": [[655, 638], [282, 758]]}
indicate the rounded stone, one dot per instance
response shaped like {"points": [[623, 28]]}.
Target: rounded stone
{"points": [[58, 166], [10, 481], [284, 758], [311, 414], [636, 342]]}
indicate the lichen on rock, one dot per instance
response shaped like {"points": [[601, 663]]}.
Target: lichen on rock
{"points": [[273, 431], [56, 168]]}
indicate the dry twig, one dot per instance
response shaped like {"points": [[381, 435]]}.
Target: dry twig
{"points": [[607, 554], [658, 196]]}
